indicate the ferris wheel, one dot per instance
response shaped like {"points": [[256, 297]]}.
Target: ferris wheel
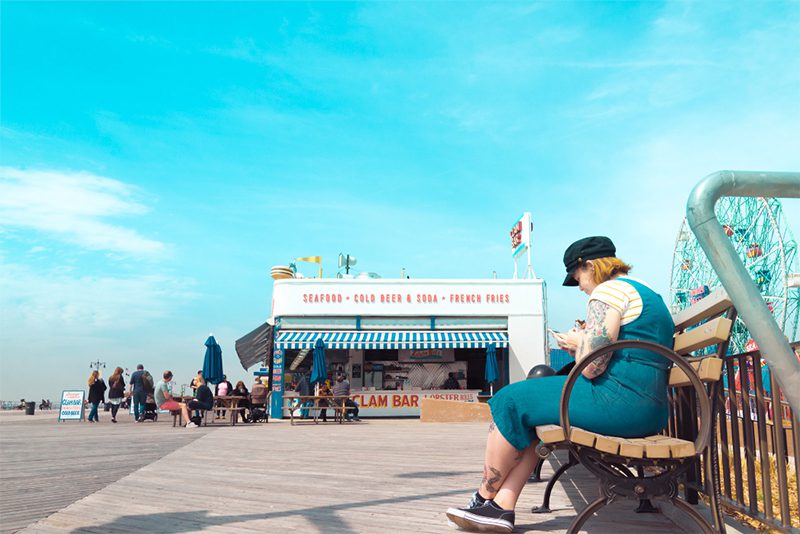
{"points": [[763, 241]]}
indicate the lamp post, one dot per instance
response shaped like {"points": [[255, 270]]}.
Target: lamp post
{"points": [[97, 365]]}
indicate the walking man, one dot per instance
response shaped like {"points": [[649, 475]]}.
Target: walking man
{"points": [[138, 392]]}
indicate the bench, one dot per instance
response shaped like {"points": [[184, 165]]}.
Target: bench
{"points": [[339, 409], [652, 466]]}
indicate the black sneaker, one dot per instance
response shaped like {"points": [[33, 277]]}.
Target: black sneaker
{"points": [[486, 517]]}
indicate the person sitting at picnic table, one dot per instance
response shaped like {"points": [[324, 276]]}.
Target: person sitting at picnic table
{"points": [[258, 394], [203, 400], [341, 394], [620, 394], [163, 399], [327, 394], [196, 381], [222, 389], [241, 391]]}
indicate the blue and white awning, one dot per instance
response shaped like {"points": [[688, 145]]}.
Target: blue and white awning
{"points": [[303, 339]]}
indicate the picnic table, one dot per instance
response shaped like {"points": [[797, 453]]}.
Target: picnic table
{"points": [[317, 403], [227, 402]]}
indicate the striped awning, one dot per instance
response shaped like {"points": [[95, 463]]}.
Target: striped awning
{"points": [[302, 339]]}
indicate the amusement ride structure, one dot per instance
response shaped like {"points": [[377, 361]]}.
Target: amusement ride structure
{"points": [[758, 232]]}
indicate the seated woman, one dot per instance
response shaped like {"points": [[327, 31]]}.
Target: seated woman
{"points": [[241, 391], [622, 394], [203, 399]]}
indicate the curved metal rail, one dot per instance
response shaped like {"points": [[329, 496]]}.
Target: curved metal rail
{"points": [[732, 273]]}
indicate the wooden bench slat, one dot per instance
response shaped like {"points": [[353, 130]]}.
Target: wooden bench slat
{"points": [[630, 449], [711, 333], [550, 433], [582, 437], [714, 304], [709, 369], [607, 444]]}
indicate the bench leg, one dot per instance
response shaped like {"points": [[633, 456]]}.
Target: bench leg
{"points": [[691, 512], [587, 512], [537, 472], [545, 507]]}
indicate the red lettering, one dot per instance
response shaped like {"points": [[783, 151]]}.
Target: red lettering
{"points": [[305, 297], [415, 401], [396, 401]]}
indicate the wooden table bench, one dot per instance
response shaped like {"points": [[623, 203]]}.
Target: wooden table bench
{"points": [[229, 402], [692, 381], [317, 403]]}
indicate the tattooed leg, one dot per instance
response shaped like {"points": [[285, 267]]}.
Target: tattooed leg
{"points": [[507, 495], [500, 458]]}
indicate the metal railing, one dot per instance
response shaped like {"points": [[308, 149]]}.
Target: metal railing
{"points": [[757, 443]]}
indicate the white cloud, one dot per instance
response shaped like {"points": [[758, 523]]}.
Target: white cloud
{"points": [[74, 207], [47, 302]]}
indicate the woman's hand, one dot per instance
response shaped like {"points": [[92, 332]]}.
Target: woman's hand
{"points": [[569, 340]]}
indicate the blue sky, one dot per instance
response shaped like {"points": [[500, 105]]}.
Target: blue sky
{"points": [[157, 159]]}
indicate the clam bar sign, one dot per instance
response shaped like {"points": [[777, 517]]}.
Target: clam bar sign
{"points": [[405, 403], [71, 405]]}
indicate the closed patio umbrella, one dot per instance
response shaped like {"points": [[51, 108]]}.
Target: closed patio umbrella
{"points": [[319, 372], [212, 363], [492, 372]]}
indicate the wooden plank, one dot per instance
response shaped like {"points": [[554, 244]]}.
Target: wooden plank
{"points": [[607, 444], [705, 335], [630, 448], [714, 304], [709, 369], [378, 476], [582, 437], [447, 411], [550, 433]]}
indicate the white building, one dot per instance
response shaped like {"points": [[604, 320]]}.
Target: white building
{"points": [[399, 340]]}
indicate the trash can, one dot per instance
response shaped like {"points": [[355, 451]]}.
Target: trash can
{"points": [[29, 408]]}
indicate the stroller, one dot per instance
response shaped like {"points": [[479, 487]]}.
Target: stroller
{"points": [[150, 409]]}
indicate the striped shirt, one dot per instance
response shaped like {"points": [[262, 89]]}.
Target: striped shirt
{"points": [[621, 296]]}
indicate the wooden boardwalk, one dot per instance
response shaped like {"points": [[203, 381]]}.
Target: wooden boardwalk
{"points": [[375, 476], [46, 466]]}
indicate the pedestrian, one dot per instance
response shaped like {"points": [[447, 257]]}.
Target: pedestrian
{"points": [[97, 390], [138, 393], [116, 392]]}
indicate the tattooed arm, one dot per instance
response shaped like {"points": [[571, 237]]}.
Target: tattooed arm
{"points": [[602, 328]]}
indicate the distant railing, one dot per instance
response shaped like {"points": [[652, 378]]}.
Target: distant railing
{"points": [[757, 445]]}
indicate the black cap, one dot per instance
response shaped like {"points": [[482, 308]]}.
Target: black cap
{"points": [[588, 248]]}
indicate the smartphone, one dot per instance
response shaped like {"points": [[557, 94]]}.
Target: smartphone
{"points": [[553, 332]]}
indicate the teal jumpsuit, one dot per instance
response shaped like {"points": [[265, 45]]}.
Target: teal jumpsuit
{"points": [[628, 400]]}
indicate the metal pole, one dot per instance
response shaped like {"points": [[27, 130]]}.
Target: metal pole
{"points": [[732, 273]]}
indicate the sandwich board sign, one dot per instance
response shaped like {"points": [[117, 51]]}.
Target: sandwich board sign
{"points": [[71, 405]]}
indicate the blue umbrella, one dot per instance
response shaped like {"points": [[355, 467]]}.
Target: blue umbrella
{"points": [[212, 363], [319, 373], [492, 372]]}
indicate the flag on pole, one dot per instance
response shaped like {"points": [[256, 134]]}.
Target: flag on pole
{"points": [[313, 259]]}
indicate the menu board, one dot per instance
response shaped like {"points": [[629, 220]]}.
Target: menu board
{"points": [[71, 405]]}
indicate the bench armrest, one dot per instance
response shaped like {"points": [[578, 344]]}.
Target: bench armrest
{"points": [[704, 432]]}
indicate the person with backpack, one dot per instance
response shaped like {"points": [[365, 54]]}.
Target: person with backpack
{"points": [[141, 385], [97, 390], [116, 392]]}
